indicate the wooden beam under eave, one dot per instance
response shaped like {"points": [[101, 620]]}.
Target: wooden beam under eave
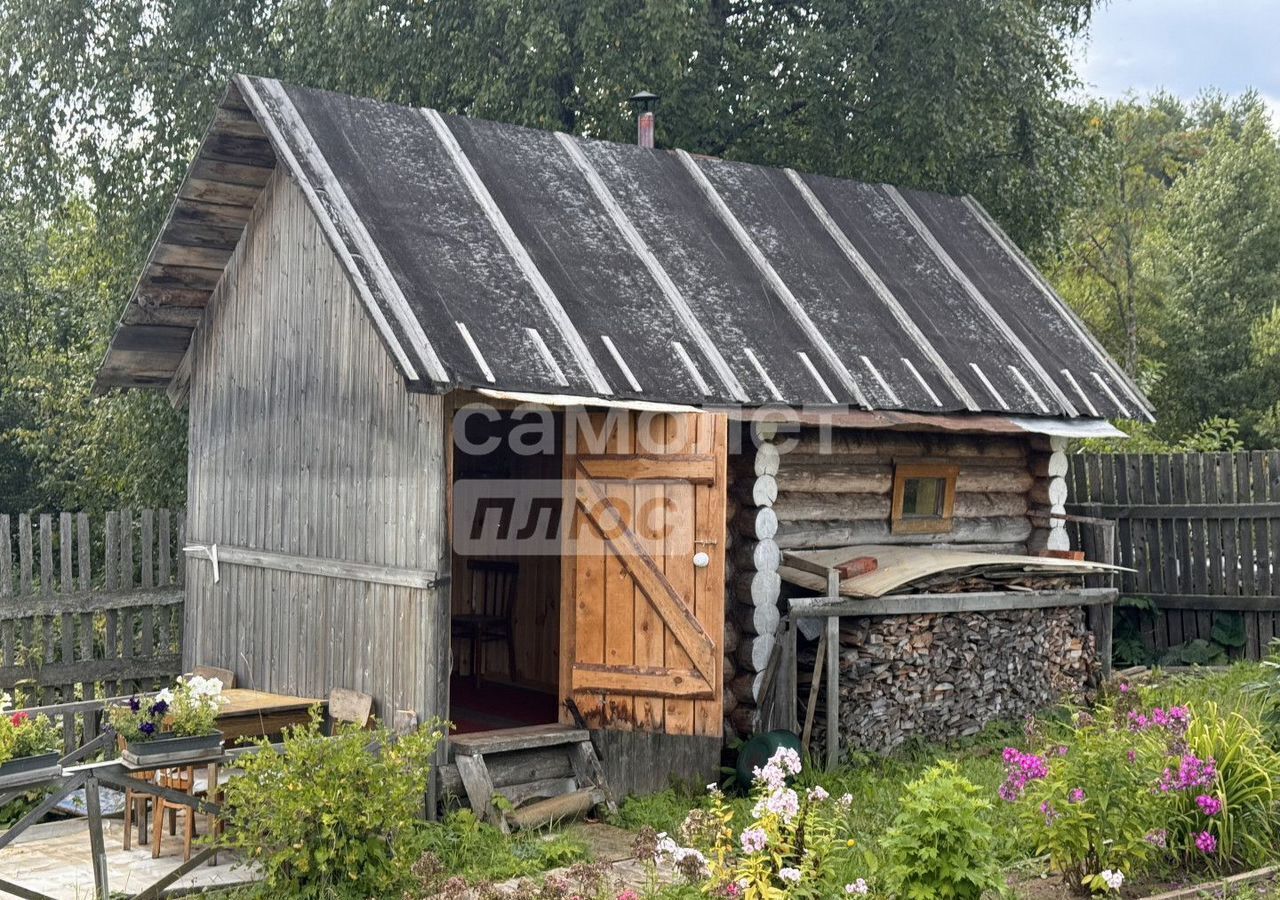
{"points": [[155, 339], [230, 148], [169, 254], [237, 121], [230, 172], [173, 316], [219, 192], [203, 212], [184, 277]]}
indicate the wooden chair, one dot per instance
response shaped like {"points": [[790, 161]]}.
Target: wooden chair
{"points": [[226, 676], [492, 605], [348, 707], [137, 803]]}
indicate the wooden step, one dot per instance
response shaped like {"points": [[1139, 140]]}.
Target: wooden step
{"points": [[508, 740]]}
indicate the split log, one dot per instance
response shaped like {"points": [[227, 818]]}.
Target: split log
{"points": [[813, 535], [1010, 481], [730, 666], [1048, 492], [1053, 465], [730, 702], [731, 635]]}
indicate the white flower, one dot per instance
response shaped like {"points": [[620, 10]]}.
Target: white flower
{"points": [[857, 887], [789, 874], [5, 700], [818, 794], [1113, 879], [846, 802], [786, 758], [165, 695]]}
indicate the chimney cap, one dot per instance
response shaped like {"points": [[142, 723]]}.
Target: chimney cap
{"points": [[645, 99]]}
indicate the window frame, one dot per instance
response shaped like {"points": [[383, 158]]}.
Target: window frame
{"points": [[942, 524]]}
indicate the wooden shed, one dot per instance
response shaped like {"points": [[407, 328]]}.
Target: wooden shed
{"points": [[403, 337]]}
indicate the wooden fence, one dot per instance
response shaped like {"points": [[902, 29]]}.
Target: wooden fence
{"points": [[70, 631], [1202, 531]]}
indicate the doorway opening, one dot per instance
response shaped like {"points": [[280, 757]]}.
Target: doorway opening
{"points": [[506, 503]]}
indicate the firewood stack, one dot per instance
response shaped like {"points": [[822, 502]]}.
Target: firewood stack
{"points": [[942, 676]]}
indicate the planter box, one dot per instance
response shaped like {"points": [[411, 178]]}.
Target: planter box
{"points": [[172, 751], [29, 769]]}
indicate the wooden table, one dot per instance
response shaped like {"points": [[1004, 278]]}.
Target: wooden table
{"points": [[255, 714]]}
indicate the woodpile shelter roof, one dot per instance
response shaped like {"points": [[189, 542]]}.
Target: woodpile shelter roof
{"points": [[495, 256]]}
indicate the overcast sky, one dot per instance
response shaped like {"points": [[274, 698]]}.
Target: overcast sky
{"points": [[1184, 46]]}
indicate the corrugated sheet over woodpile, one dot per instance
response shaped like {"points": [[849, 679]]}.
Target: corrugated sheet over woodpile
{"points": [[490, 255]]}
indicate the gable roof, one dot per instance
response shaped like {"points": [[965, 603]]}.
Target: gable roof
{"points": [[496, 256]]}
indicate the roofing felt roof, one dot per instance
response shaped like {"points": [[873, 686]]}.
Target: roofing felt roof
{"points": [[496, 256]]}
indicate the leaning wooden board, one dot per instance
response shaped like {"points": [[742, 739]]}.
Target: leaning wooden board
{"points": [[255, 714]]}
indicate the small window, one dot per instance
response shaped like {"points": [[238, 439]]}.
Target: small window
{"points": [[924, 497]]}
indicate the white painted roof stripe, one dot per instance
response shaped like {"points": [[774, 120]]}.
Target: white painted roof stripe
{"points": [[327, 214], [475, 351], [764, 376], [545, 353], [976, 295], [924, 384], [766, 269], [884, 385], [813, 370], [669, 290], [1031, 392], [882, 291], [986, 382], [1064, 309], [1112, 394], [550, 303], [622, 363], [693, 370], [1093, 410]]}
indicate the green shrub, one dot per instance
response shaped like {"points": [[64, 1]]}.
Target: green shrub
{"points": [[1246, 782], [333, 816], [464, 847], [940, 842]]}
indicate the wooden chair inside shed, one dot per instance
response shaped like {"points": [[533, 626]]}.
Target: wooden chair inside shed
{"points": [[348, 707], [184, 780], [491, 602]]}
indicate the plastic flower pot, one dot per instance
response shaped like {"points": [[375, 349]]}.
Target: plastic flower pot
{"points": [[167, 750], [29, 768]]}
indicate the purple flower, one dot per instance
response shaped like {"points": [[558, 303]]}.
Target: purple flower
{"points": [[1132, 756], [1076, 796], [1209, 805], [1158, 838], [1049, 812], [1206, 843], [147, 728], [159, 708], [134, 704], [1125, 687], [1193, 772], [1020, 769]]}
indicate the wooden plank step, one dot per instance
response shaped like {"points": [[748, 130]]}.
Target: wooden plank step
{"points": [[507, 740]]}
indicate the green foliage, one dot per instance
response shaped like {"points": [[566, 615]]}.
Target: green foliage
{"points": [[1096, 806], [22, 735], [1266, 689], [940, 843], [464, 847], [1248, 784], [334, 816]]}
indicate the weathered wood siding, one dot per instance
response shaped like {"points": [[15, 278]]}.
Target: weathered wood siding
{"points": [[305, 442]]}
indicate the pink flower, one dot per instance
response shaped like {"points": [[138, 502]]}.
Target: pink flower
{"points": [[1132, 756], [1210, 806], [1020, 769], [1193, 772], [1125, 687], [1076, 796], [1206, 843], [628, 894]]}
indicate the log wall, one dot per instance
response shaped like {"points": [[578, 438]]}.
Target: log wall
{"points": [[304, 443], [815, 490]]}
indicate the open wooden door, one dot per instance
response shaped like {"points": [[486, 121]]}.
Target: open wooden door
{"points": [[642, 615]]}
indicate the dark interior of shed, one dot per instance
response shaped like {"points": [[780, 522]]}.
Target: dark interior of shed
{"points": [[505, 589]]}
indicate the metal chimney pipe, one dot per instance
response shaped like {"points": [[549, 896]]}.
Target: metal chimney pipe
{"points": [[645, 121]]}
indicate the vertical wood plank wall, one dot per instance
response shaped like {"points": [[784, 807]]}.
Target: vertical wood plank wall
{"points": [[305, 441], [1201, 531]]}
